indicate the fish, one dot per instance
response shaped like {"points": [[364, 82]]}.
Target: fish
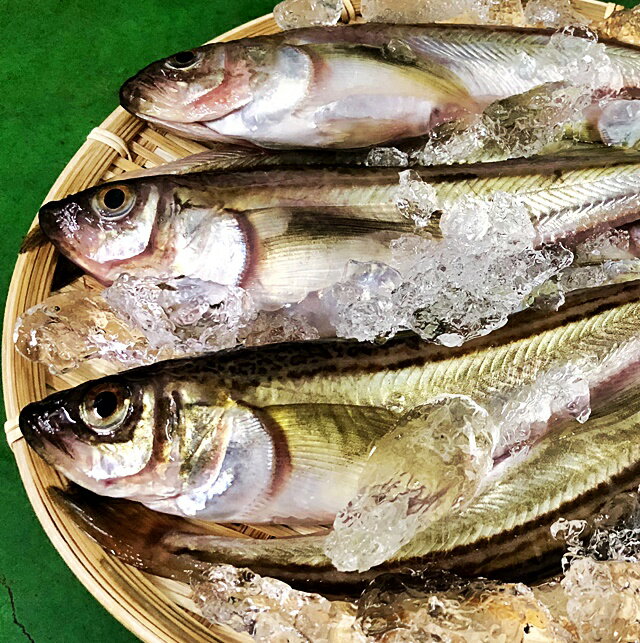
{"points": [[282, 432], [283, 234], [570, 471], [352, 86]]}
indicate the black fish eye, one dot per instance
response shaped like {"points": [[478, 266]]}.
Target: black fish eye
{"points": [[114, 202], [105, 407], [105, 404], [183, 60], [114, 198]]}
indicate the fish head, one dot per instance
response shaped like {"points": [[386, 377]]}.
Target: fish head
{"points": [[191, 87], [99, 434], [177, 445], [106, 229]]}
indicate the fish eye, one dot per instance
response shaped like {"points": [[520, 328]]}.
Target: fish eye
{"points": [[183, 60], [105, 407], [114, 202]]}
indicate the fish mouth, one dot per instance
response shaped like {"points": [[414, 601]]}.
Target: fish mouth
{"points": [[131, 96], [134, 98], [143, 97], [48, 214], [44, 427]]}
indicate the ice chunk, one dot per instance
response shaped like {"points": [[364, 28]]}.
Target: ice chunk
{"points": [[577, 277], [439, 456], [272, 327], [536, 121], [623, 25], [362, 306], [444, 607], [552, 13], [387, 157], [508, 12], [558, 393], [610, 244], [601, 586], [434, 460], [188, 315], [604, 259], [416, 199], [411, 12], [419, 607], [292, 14], [147, 320], [582, 60], [271, 611], [612, 534], [453, 289], [72, 327], [619, 123], [521, 126], [603, 599]]}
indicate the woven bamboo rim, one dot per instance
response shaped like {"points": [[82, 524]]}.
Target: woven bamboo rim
{"points": [[154, 609]]}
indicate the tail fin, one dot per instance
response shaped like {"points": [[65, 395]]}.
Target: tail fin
{"points": [[35, 238]]}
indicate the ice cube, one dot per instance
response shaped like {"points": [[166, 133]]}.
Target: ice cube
{"points": [[387, 157], [581, 60], [187, 315], [508, 12], [362, 305], [272, 327], [443, 607], [449, 290], [71, 327], [552, 13], [293, 14], [270, 610], [435, 459], [603, 599], [416, 199], [523, 416]]}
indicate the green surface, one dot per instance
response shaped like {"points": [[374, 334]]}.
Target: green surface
{"points": [[62, 64]]}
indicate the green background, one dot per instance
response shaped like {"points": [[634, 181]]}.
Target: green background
{"points": [[61, 65]]}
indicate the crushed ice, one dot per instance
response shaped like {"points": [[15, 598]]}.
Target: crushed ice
{"points": [[269, 610], [140, 320], [403, 484], [552, 13], [394, 607], [474, 11], [189, 314], [451, 289], [439, 456], [293, 14], [71, 327], [601, 582]]}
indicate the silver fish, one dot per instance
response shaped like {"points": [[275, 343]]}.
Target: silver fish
{"points": [[282, 432], [285, 233], [353, 86], [571, 469]]}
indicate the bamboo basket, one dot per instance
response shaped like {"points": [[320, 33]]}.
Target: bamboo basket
{"points": [[154, 609]]}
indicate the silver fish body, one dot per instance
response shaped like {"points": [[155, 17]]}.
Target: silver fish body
{"points": [[349, 87], [570, 471], [285, 233], [255, 434]]}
